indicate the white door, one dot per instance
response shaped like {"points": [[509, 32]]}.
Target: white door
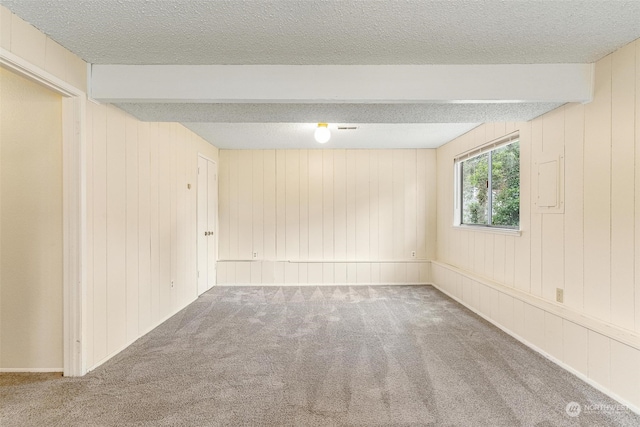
{"points": [[207, 223]]}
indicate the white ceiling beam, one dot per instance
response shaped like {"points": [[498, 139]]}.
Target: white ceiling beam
{"points": [[342, 83]]}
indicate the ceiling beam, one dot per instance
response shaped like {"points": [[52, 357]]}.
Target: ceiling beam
{"points": [[551, 83]]}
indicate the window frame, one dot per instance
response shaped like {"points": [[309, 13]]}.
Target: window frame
{"points": [[488, 149]]}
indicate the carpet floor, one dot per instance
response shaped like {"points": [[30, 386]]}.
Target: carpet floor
{"points": [[316, 356]]}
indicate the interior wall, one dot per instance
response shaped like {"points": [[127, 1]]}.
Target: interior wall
{"points": [[326, 216], [141, 215], [591, 250], [142, 225], [30, 226]]}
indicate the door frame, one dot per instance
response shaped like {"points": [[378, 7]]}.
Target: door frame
{"points": [[74, 208], [217, 209]]}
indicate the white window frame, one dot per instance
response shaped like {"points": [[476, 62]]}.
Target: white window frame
{"points": [[457, 189]]}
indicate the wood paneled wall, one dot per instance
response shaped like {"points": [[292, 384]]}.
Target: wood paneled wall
{"points": [[141, 220], [326, 216], [591, 250]]}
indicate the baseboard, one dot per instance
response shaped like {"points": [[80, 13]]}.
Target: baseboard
{"points": [[145, 332], [30, 370], [617, 333], [546, 355], [325, 284]]}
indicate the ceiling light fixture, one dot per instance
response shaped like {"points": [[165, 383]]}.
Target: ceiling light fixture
{"points": [[322, 134]]}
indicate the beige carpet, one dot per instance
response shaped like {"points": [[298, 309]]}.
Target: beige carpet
{"points": [[316, 356]]}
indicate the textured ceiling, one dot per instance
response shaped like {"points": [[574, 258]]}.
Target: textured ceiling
{"points": [[334, 32], [300, 135], [248, 126], [337, 113]]}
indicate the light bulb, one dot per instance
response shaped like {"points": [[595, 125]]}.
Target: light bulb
{"points": [[322, 134]]}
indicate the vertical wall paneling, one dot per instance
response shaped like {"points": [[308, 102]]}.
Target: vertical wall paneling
{"points": [[304, 207], [479, 253], [140, 214], [131, 251], [536, 218], [385, 207], [224, 224], [90, 229], [173, 223], [586, 248], [292, 205], [164, 219], [186, 290], [315, 206], [410, 205], [374, 206], [269, 241], [281, 213], [257, 207], [144, 234], [245, 208], [599, 358], [499, 258], [398, 198], [622, 185], [575, 348], [552, 230], [340, 206], [362, 205], [351, 203], [488, 254], [430, 194], [116, 230], [234, 196], [99, 190], [574, 207], [597, 196], [154, 189], [522, 279], [327, 205], [637, 191], [509, 260]]}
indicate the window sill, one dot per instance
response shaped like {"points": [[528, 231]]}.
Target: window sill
{"points": [[491, 230]]}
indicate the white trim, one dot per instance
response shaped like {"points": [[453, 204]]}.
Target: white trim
{"points": [[458, 160], [73, 208], [29, 370], [494, 230], [436, 83], [558, 362], [613, 332], [332, 261], [488, 146], [326, 284]]}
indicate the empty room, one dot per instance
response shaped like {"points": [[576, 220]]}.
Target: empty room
{"points": [[319, 213]]}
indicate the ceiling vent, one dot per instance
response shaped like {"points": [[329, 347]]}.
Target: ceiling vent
{"points": [[347, 127]]}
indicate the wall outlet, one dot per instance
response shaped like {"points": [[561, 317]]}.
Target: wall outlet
{"points": [[413, 254], [255, 255], [559, 295], [172, 283]]}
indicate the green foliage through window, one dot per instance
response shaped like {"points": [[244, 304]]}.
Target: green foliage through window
{"points": [[498, 171]]}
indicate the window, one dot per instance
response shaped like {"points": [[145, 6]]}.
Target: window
{"points": [[488, 185]]}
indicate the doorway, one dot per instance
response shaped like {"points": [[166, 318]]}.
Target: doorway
{"points": [[31, 237], [207, 223]]}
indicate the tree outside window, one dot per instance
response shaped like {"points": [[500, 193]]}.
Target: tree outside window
{"points": [[491, 188]]}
